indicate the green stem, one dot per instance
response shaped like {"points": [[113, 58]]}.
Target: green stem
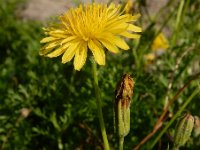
{"points": [[121, 143], [174, 117], [178, 20], [99, 107]]}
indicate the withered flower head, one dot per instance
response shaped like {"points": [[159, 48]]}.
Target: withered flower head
{"points": [[123, 95]]}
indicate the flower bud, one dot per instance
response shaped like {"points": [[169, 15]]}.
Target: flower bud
{"points": [[183, 130], [123, 95]]}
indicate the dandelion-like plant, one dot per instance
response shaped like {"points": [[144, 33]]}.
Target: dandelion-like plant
{"points": [[160, 43], [89, 27], [93, 27]]}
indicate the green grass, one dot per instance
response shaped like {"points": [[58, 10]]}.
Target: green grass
{"points": [[62, 101]]}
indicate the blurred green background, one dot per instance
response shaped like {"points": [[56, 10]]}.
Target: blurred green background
{"points": [[47, 105]]}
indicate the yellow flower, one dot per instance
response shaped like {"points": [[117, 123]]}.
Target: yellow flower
{"points": [[93, 27], [160, 43], [150, 57]]}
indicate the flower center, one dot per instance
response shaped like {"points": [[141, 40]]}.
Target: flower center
{"points": [[86, 22]]}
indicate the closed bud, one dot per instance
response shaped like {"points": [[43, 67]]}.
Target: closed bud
{"points": [[183, 130], [123, 95]]}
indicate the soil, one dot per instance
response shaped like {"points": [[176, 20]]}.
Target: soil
{"points": [[45, 9]]}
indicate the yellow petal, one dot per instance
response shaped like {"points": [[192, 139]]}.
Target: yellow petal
{"points": [[111, 7], [112, 11], [119, 42], [56, 53], [111, 47], [68, 39], [51, 45], [48, 48], [57, 32], [80, 57], [134, 28], [59, 51], [117, 28], [70, 52], [58, 35], [130, 35], [44, 51], [116, 22], [129, 18], [134, 17], [97, 51], [48, 39]]}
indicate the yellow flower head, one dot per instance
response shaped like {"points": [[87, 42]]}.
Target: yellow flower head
{"points": [[150, 57], [92, 27], [160, 43]]}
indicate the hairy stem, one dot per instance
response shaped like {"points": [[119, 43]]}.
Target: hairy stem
{"points": [[99, 106], [121, 143], [175, 116]]}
